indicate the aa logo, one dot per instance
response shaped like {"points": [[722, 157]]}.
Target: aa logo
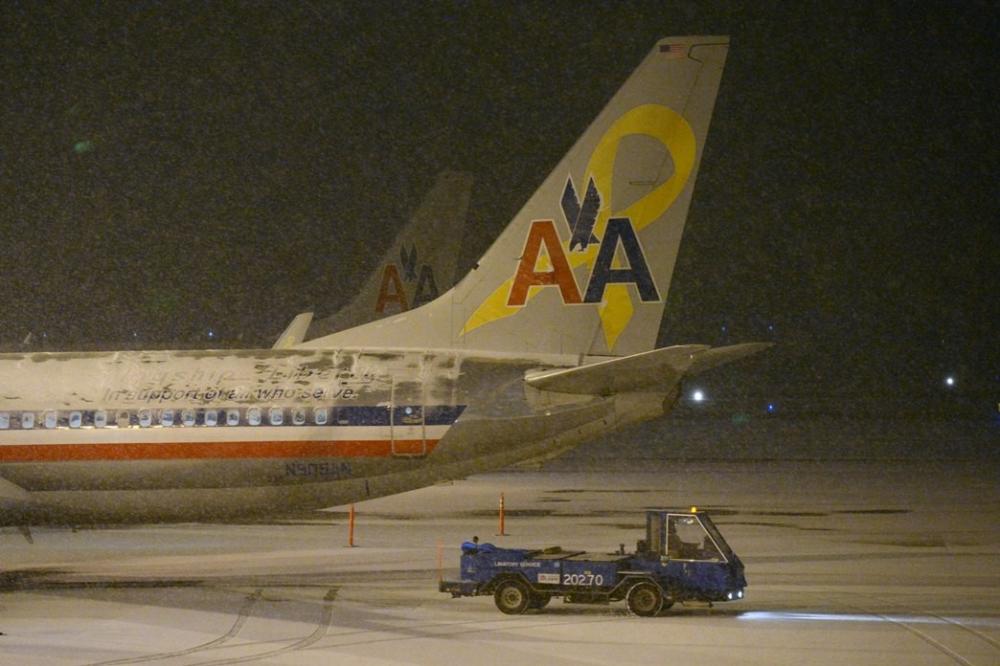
{"points": [[392, 290], [602, 256], [544, 263]]}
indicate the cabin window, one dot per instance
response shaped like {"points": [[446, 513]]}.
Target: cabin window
{"points": [[188, 417], [145, 418], [100, 418], [27, 420], [253, 416], [123, 419], [232, 417], [211, 417], [4, 420], [75, 419], [299, 416], [167, 418], [276, 416], [51, 419], [321, 416]]}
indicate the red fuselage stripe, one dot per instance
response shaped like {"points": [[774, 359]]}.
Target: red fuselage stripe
{"points": [[208, 450]]}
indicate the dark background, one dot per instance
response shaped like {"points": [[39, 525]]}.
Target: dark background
{"points": [[172, 169]]}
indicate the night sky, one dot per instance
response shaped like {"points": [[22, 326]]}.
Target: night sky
{"points": [[170, 169]]}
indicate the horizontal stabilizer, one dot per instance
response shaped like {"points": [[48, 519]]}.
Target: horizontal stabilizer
{"points": [[296, 331], [712, 358], [631, 373], [659, 368]]}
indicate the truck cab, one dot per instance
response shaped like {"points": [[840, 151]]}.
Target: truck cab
{"points": [[691, 554]]}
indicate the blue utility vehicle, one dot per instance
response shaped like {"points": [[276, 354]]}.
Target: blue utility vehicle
{"points": [[683, 558]]}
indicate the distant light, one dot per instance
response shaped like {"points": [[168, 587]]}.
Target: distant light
{"points": [[81, 147], [698, 396], [211, 334], [771, 408], [949, 381]]}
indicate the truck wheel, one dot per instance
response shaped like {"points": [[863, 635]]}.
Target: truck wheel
{"points": [[644, 599], [665, 606], [539, 600], [511, 597]]}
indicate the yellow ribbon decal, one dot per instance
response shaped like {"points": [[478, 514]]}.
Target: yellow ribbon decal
{"points": [[616, 309]]}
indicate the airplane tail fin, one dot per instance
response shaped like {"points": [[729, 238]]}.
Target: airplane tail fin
{"points": [[418, 265], [585, 266]]}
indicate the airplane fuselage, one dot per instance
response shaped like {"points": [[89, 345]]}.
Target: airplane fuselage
{"points": [[176, 435]]}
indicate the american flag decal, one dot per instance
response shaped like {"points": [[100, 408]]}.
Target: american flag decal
{"points": [[673, 50]]}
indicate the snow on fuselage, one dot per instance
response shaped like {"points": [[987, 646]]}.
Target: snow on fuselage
{"points": [[176, 435]]}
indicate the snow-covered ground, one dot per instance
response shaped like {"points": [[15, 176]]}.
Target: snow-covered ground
{"points": [[848, 563]]}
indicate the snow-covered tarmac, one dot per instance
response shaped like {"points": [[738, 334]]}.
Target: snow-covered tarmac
{"points": [[848, 563]]}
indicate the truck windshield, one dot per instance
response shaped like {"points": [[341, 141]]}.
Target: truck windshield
{"points": [[716, 536], [688, 539]]}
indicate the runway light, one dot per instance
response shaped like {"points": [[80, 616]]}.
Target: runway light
{"points": [[698, 396], [949, 381], [771, 408]]}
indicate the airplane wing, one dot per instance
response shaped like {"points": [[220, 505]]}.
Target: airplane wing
{"points": [[14, 501], [657, 368], [295, 333], [12, 495]]}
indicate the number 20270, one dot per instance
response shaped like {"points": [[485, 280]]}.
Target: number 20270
{"points": [[582, 579]]}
